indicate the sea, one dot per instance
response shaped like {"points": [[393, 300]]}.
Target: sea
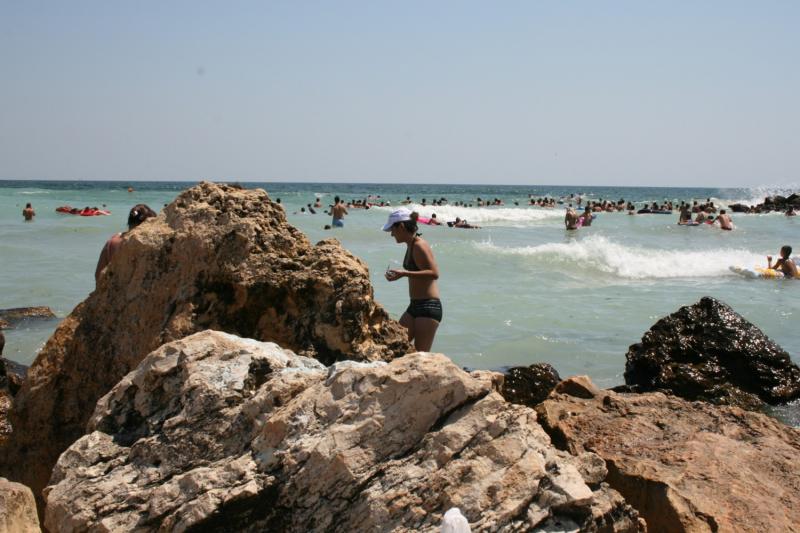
{"points": [[516, 291]]}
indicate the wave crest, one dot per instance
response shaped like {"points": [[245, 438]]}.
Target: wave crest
{"points": [[601, 255]]}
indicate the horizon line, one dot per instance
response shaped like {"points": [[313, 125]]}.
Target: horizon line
{"points": [[393, 182]]}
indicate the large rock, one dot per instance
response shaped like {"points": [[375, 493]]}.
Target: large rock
{"points": [[218, 433], [684, 466], [15, 315], [11, 376], [529, 385], [17, 509], [217, 257], [707, 351]]}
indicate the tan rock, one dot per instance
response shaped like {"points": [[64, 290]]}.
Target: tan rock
{"points": [[17, 508], [217, 257], [213, 432], [685, 466]]}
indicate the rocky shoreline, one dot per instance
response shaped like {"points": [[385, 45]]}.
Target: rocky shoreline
{"points": [[227, 374], [770, 204]]}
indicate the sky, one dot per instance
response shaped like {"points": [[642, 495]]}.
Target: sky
{"points": [[674, 93]]}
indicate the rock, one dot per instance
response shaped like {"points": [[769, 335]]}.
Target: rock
{"points": [[529, 385], [213, 432], [685, 466], [17, 509], [578, 386], [217, 257], [11, 376], [2, 342], [15, 315], [707, 351], [6, 400], [739, 208], [771, 203]]}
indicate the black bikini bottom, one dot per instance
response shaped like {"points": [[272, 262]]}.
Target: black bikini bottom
{"points": [[426, 308]]}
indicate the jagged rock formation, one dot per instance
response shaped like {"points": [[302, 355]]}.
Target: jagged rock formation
{"points": [[770, 203], [529, 385], [684, 466], [213, 431], [218, 257], [709, 352], [17, 509]]}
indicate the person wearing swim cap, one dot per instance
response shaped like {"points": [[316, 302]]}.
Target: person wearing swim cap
{"points": [[424, 314], [138, 214]]}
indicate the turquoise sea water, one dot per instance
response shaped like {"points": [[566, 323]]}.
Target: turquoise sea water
{"points": [[517, 291]]}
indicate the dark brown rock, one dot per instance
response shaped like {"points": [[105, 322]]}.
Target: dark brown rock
{"points": [[685, 466], [529, 385], [707, 351], [218, 257], [18, 314]]}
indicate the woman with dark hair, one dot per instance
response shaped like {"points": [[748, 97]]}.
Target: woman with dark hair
{"points": [[424, 313], [138, 214]]}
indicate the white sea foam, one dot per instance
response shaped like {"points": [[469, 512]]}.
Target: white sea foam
{"points": [[602, 255], [756, 195], [486, 216]]}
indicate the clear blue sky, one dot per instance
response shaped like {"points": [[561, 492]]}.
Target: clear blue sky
{"points": [[594, 93]]}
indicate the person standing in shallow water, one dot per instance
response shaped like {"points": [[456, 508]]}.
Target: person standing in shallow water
{"points": [[138, 214], [424, 313], [338, 211], [28, 213]]}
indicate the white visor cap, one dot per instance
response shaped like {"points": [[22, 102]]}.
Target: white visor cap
{"points": [[400, 215]]}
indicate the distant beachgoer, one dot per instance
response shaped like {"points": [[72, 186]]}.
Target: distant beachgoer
{"points": [[424, 313], [434, 221], [130, 189], [311, 209], [338, 211], [28, 212], [318, 203], [724, 220], [686, 215], [571, 219], [790, 212], [587, 217], [784, 264], [138, 214]]}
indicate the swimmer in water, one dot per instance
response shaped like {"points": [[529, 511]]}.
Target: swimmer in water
{"points": [[571, 219], [784, 264], [724, 220], [28, 213]]}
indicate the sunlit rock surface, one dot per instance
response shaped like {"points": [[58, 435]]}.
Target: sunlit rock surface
{"points": [[214, 433], [218, 257], [684, 466]]}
